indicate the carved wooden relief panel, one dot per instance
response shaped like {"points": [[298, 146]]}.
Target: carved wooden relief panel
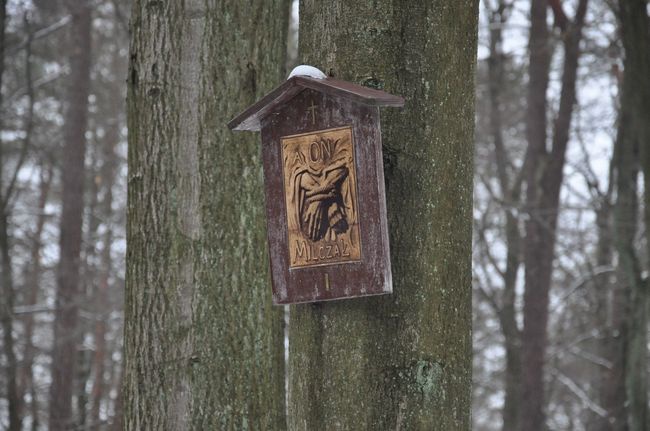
{"points": [[320, 188]]}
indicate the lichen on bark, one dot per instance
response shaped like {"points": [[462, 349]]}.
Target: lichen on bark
{"points": [[401, 361], [203, 344]]}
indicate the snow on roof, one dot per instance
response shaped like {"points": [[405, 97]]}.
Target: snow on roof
{"points": [[305, 70]]}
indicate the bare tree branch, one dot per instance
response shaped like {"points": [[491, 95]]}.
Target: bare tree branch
{"points": [[39, 34], [561, 20], [578, 392], [29, 122]]}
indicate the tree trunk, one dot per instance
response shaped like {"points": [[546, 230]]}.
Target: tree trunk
{"points": [[7, 197], [401, 361], [101, 299], [634, 133], [118, 406], [7, 288], [626, 224], [608, 379], [87, 279], [543, 183], [536, 290], [511, 195], [81, 380], [32, 283], [203, 344], [65, 323], [7, 322]]}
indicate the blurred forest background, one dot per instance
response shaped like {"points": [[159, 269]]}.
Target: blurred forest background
{"points": [[560, 251]]}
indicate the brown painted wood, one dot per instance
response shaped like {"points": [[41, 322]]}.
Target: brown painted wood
{"points": [[250, 118], [370, 273], [324, 188]]}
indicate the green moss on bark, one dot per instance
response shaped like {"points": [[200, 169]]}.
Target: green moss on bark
{"points": [[203, 344], [401, 361]]}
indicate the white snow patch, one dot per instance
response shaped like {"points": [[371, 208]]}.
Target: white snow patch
{"points": [[305, 70]]}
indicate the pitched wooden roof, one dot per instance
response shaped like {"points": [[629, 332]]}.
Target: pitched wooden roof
{"points": [[250, 118]]}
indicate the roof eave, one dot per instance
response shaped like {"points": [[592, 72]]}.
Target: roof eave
{"points": [[250, 118]]}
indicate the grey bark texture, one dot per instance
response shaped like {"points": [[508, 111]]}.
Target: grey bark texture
{"points": [[401, 361], [203, 344]]}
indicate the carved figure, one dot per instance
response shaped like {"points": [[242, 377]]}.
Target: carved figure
{"points": [[321, 195]]}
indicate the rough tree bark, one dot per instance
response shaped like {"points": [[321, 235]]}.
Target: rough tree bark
{"points": [[401, 361], [634, 136], [203, 344], [543, 182], [65, 321]]}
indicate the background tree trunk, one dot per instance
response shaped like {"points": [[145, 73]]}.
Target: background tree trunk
{"points": [[609, 312], [401, 361], [634, 137], [32, 277], [629, 270], [543, 182], [65, 324], [7, 289], [204, 346], [6, 317], [101, 296], [510, 188]]}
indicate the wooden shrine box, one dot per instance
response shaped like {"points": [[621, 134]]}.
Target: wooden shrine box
{"points": [[324, 187]]}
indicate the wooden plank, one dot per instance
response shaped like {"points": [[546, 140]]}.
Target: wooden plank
{"points": [[365, 273]]}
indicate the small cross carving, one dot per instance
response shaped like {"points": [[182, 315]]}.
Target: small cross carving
{"points": [[312, 108]]}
